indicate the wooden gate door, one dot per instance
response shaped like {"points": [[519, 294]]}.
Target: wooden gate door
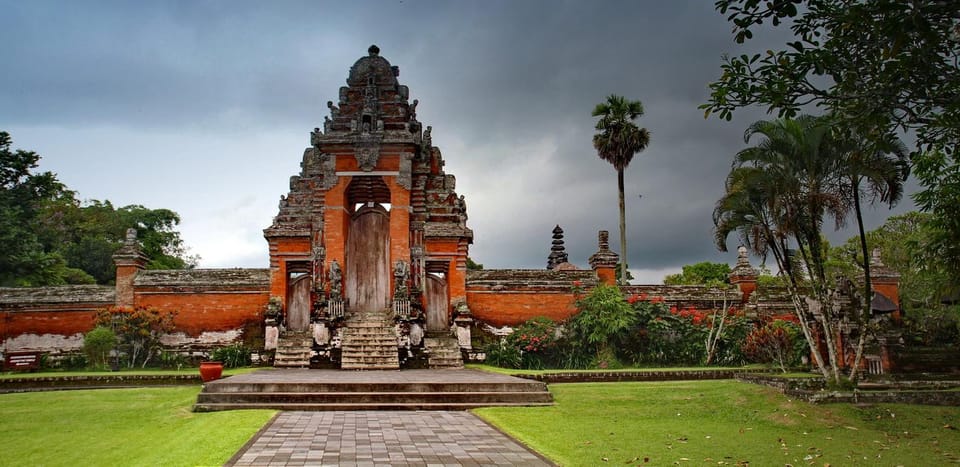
{"points": [[368, 263], [436, 304], [298, 303]]}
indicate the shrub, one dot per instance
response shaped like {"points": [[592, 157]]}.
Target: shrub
{"points": [[138, 330], [503, 355], [233, 356], [97, 345], [603, 316], [774, 343]]}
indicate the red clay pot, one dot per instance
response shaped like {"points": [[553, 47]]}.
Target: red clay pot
{"points": [[210, 371]]}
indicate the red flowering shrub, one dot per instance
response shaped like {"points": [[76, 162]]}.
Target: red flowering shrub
{"points": [[536, 335], [772, 343]]}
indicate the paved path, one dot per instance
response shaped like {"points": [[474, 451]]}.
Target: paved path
{"points": [[373, 438]]}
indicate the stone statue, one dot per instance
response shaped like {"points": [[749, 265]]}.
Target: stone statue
{"points": [[335, 277], [413, 110], [461, 205], [427, 140], [334, 110], [416, 334]]}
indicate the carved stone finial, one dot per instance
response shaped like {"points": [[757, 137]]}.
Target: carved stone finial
{"points": [[604, 240], [743, 269], [131, 238], [373, 50]]}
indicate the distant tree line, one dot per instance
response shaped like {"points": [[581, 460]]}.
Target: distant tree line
{"points": [[49, 237]]}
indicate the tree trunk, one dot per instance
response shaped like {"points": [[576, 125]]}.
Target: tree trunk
{"points": [[867, 283], [623, 230]]}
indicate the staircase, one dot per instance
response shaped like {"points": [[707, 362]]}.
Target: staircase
{"points": [[442, 352], [294, 349], [317, 390], [369, 342]]}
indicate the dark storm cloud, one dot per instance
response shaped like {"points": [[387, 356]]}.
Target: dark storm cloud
{"points": [[508, 87]]}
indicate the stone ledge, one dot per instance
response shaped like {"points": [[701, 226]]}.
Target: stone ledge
{"points": [[58, 383]]}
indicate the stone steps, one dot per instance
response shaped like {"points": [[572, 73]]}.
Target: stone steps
{"points": [[443, 352], [395, 398], [369, 342], [216, 407], [294, 350], [297, 389]]}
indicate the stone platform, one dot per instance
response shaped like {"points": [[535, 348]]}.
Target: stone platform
{"points": [[324, 390]]}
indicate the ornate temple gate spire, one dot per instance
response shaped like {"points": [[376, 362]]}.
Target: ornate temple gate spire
{"points": [[372, 160]]}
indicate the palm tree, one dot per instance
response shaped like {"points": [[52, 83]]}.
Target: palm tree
{"points": [[776, 197], [617, 141], [876, 169]]}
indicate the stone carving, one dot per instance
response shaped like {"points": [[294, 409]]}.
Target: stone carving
{"points": [[367, 157], [401, 275], [334, 110], [328, 167], [427, 144], [335, 276], [321, 333], [413, 110], [405, 177], [461, 209], [416, 334]]}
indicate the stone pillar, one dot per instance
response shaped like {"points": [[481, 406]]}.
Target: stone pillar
{"points": [[129, 260], [604, 262], [744, 275]]}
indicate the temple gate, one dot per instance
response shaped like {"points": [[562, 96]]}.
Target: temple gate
{"points": [[353, 238]]}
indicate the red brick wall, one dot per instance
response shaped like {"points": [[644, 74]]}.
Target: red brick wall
{"points": [[512, 307], [211, 311]]}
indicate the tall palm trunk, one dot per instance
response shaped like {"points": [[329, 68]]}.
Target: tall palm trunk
{"points": [[623, 229], [867, 283]]}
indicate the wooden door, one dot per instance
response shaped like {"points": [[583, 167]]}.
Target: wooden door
{"points": [[436, 304], [367, 271], [298, 303]]}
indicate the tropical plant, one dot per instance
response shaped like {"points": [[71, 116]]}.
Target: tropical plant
{"points": [[776, 198], [617, 140], [232, 356], [883, 67], [603, 314], [139, 331], [97, 345]]}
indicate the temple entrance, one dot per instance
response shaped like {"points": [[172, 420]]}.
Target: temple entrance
{"points": [[436, 292], [367, 271], [298, 303]]}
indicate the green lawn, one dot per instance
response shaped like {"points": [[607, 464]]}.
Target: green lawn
{"points": [[725, 423], [144, 426], [124, 372], [515, 371]]}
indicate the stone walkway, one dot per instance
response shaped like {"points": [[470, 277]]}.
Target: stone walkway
{"points": [[373, 438]]}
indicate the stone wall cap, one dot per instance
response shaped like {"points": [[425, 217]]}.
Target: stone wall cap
{"points": [[204, 277], [59, 294]]}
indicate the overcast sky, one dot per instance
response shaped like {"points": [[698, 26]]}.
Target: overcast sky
{"points": [[205, 107]]}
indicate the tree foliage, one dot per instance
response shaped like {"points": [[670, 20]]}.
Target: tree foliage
{"points": [[48, 237], [702, 273], [138, 331], [881, 67], [617, 140], [776, 198]]}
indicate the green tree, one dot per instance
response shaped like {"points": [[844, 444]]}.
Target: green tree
{"points": [[617, 140], [776, 198], [703, 273], [603, 314], [23, 194], [618, 273], [882, 67]]}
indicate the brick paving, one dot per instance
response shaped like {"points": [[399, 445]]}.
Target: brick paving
{"points": [[373, 438]]}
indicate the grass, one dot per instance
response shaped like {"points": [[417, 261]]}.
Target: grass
{"points": [[142, 426], [514, 371], [725, 423], [124, 372]]}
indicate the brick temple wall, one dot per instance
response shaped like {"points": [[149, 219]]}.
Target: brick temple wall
{"points": [[508, 297], [50, 319]]}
